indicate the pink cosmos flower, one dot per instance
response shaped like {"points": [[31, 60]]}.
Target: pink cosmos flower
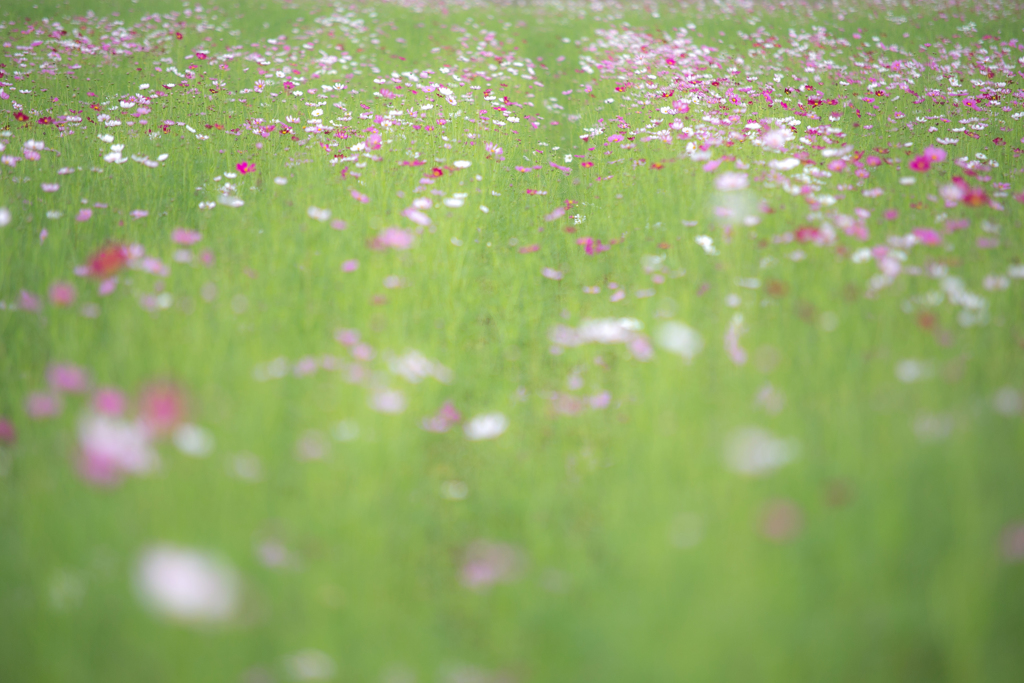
{"points": [[417, 216], [42, 404], [28, 301], [552, 274], [935, 155], [8, 435], [926, 236], [108, 401], [731, 181], [347, 337], [183, 236], [640, 347], [556, 214], [446, 417], [62, 294], [245, 167], [393, 238], [487, 563], [350, 265], [67, 378], [163, 408], [360, 197], [83, 215]]}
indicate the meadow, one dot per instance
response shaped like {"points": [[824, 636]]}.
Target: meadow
{"points": [[469, 342]]}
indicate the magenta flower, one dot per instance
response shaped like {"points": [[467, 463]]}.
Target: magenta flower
{"points": [[8, 435], [163, 408], [920, 164], [83, 215], [360, 197], [245, 167], [926, 236], [350, 265]]}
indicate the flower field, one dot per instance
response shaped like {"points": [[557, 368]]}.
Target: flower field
{"points": [[503, 343]]}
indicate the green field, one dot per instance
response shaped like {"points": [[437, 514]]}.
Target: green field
{"points": [[550, 342]]}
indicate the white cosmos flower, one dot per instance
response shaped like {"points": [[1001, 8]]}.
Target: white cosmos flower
{"points": [[186, 585], [462, 164], [680, 339], [318, 214], [753, 451], [486, 426]]}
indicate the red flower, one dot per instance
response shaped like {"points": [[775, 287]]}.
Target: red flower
{"points": [[108, 261], [46, 120], [177, 34], [975, 196], [436, 172], [20, 116]]}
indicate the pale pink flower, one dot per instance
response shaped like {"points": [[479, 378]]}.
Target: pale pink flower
{"points": [[387, 401], [731, 181], [487, 563], [393, 238], [552, 274], [28, 301], [360, 197], [62, 294], [108, 401], [67, 378], [183, 236], [83, 215], [732, 340], [40, 404], [111, 448], [350, 265], [417, 216], [781, 520]]}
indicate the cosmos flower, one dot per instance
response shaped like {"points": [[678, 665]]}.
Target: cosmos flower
{"points": [[186, 585]]}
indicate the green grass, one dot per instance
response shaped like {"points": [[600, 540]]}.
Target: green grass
{"points": [[643, 556]]}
